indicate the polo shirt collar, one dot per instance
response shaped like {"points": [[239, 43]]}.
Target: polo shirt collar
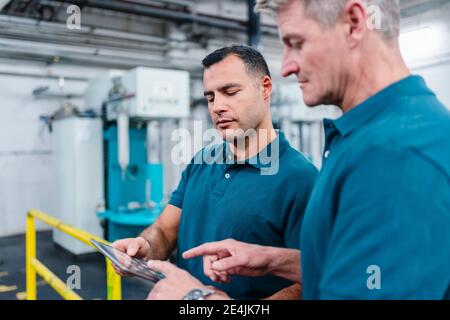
{"points": [[358, 116], [255, 161]]}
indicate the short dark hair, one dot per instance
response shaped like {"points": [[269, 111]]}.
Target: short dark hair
{"points": [[253, 59]]}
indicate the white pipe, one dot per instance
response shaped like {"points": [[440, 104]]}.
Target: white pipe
{"points": [[153, 142], [123, 141]]}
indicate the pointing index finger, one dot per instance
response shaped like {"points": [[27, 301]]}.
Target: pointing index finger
{"points": [[212, 248]]}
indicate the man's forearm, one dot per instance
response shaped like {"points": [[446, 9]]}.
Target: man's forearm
{"points": [[160, 246], [293, 292], [285, 263]]}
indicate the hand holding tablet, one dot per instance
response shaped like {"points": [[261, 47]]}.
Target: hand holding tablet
{"points": [[126, 263]]}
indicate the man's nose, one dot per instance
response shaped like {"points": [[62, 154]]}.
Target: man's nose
{"points": [[219, 106], [289, 65], [288, 68]]}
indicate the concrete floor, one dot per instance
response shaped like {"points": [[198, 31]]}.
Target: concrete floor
{"points": [[92, 267]]}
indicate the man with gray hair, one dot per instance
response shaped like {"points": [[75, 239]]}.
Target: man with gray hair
{"points": [[377, 225]]}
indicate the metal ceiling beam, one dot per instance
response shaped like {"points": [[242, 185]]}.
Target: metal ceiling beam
{"points": [[43, 76], [159, 13], [420, 8]]}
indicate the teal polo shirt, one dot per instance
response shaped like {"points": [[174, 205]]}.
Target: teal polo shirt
{"points": [[259, 201], [378, 222]]}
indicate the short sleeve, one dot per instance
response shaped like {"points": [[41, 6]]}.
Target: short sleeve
{"points": [[177, 196]]}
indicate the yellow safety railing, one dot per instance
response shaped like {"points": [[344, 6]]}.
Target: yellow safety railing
{"points": [[35, 267]]}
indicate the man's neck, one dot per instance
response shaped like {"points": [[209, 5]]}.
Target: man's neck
{"points": [[254, 143], [385, 68]]}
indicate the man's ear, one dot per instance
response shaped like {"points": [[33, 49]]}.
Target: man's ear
{"points": [[266, 87], [354, 17]]}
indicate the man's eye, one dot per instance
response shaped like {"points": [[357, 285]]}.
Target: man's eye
{"points": [[297, 45], [231, 93], [210, 100]]}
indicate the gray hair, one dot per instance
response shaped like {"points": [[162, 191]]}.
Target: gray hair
{"points": [[327, 12]]}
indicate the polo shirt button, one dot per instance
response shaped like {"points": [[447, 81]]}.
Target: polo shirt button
{"points": [[227, 176], [326, 154]]}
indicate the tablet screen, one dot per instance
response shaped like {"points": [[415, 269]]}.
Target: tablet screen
{"points": [[126, 263]]}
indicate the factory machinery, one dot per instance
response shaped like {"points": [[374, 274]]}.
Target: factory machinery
{"points": [[110, 166]]}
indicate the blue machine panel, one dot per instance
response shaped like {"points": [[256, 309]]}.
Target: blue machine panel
{"points": [[131, 187]]}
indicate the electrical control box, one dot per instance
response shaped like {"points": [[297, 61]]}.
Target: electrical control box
{"points": [[159, 93]]}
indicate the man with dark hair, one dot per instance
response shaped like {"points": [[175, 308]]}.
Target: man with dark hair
{"points": [[254, 187], [252, 59]]}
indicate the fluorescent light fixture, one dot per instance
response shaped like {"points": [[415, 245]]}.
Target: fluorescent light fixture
{"points": [[422, 43]]}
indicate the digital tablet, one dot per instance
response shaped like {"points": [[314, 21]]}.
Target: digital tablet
{"points": [[126, 263]]}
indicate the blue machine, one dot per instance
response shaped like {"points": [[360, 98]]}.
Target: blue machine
{"points": [[134, 198], [133, 104]]}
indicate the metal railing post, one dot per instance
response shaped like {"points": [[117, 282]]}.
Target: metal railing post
{"points": [[30, 254], [113, 283], [35, 267]]}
